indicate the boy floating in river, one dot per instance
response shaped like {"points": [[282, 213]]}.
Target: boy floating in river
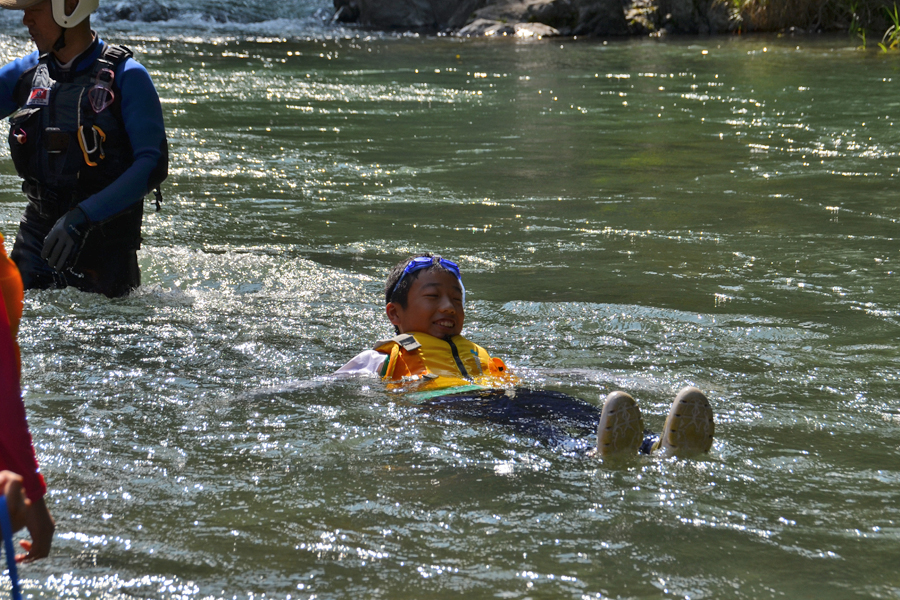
{"points": [[433, 365]]}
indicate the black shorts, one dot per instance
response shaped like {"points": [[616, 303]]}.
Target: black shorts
{"points": [[548, 416], [552, 417]]}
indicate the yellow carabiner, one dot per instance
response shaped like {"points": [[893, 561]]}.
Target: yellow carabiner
{"points": [[102, 139], [98, 144]]}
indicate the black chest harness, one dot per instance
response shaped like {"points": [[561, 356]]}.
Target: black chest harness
{"points": [[68, 139]]}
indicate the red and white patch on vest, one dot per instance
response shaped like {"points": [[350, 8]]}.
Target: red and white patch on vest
{"points": [[39, 96]]}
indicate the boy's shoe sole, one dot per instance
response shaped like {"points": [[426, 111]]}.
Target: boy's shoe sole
{"points": [[620, 429], [689, 427]]}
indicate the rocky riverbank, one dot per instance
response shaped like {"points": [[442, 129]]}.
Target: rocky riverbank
{"points": [[539, 17], [543, 18], [605, 18]]}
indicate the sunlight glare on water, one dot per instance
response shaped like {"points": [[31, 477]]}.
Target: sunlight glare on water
{"points": [[633, 215]]}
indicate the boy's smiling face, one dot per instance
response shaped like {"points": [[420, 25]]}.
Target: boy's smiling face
{"points": [[434, 306]]}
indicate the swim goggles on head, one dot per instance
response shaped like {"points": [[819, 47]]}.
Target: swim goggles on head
{"points": [[423, 262]]}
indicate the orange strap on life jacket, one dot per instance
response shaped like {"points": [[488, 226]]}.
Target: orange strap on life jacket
{"points": [[409, 355], [403, 360]]}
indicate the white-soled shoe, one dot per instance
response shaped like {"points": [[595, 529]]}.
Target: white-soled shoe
{"points": [[689, 427], [620, 429]]}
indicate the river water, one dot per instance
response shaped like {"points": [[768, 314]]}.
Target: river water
{"points": [[636, 215]]}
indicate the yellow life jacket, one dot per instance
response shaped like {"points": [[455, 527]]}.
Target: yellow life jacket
{"points": [[432, 366]]}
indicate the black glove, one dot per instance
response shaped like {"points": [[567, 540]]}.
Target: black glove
{"points": [[64, 242]]}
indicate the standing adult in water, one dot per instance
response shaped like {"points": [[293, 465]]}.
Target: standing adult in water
{"points": [[87, 136]]}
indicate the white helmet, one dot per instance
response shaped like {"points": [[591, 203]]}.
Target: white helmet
{"points": [[82, 10]]}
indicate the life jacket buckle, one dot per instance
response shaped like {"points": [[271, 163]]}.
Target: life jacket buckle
{"points": [[408, 342], [56, 140]]}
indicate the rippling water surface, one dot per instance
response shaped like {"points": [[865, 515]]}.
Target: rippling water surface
{"points": [[634, 215]]}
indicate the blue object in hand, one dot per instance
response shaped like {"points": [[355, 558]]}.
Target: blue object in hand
{"points": [[6, 526], [64, 242]]}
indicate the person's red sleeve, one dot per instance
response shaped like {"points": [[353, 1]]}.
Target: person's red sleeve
{"points": [[16, 449]]}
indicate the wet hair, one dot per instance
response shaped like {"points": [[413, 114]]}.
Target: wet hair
{"points": [[401, 295]]}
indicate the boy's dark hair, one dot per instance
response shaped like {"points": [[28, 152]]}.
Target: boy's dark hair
{"points": [[401, 294]]}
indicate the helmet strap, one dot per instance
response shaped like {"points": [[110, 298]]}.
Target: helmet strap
{"points": [[60, 42]]}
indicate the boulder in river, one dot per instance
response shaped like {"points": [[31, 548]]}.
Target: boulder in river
{"points": [[146, 11], [540, 18], [567, 17], [488, 17], [406, 15], [490, 28]]}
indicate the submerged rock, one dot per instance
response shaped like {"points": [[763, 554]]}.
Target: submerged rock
{"points": [[535, 30], [485, 27], [490, 28], [566, 17]]}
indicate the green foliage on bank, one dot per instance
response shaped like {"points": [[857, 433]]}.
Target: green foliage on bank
{"points": [[891, 38], [863, 19], [890, 41]]}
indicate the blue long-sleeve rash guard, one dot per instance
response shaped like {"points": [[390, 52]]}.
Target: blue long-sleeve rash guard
{"points": [[143, 120]]}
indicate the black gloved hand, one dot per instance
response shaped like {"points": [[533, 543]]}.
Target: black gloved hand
{"points": [[64, 242]]}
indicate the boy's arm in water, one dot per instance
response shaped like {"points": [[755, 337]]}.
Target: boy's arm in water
{"points": [[368, 362]]}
